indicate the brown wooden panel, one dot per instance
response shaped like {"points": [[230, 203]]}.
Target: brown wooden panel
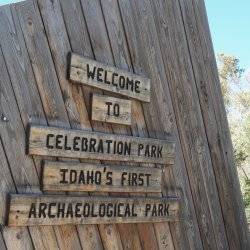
{"points": [[117, 55], [59, 210], [19, 174], [102, 76], [73, 176], [75, 99], [104, 53], [42, 66], [54, 141], [111, 109], [120, 49], [156, 45], [141, 35], [215, 121], [2, 244], [189, 121]]}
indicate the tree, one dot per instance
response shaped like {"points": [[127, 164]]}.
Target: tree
{"points": [[237, 102], [229, 72]]}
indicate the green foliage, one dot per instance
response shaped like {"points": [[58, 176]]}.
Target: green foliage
{"points": [[240, 132], [239, 156], [246, 193], [229, 72], [237, 101], [243, 100]]}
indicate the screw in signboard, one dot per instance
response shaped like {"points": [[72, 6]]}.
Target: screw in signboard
{"points": [[4, 118]]}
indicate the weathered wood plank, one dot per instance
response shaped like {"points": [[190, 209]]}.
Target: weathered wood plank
{"points": [[47, 83], [102, 76], [140, 35], [89, 237], [175, 56], [21, 168], [54, 141], [79, 39], [8, 235], [122, 57], [73, 95], [40, 56], [103, 53], [215, 121], [111, 109], [78, 116], [2, 243], [30, 108], [73, 176], [13, 136], [17, 239], [9, 160], [59, 210], [6, 184]]}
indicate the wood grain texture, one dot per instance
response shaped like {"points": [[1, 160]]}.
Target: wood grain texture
{"points": [[151, 62], [51, 16], [55, 141], [102, 52], [78, 177], [111, 109], [6, 184], [215, 121], [105, 77], [146, 38], [18, 238], [59, 210], [28, 17], [122, 57], [74, 96], [13, 134], [186, 121], [2, 243]]}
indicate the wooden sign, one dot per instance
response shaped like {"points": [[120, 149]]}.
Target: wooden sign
{"points": [[73, 176], [102, 76], [31, 210], [53, 141], [110, 109]]}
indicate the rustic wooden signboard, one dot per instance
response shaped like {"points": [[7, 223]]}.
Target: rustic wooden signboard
{"points": [[74, 176], [111, 109], [102, 76], [30, 210], [54, 141]]}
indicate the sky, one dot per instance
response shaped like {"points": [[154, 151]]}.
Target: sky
{"points": [[229, 22], [2, 2]]}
